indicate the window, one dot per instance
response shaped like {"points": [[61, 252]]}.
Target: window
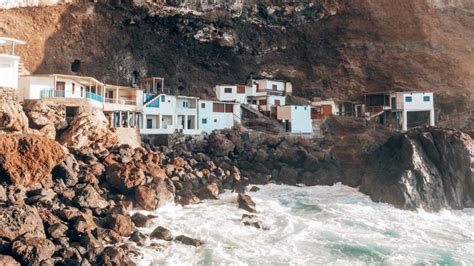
{"points": [[305, 108], [274, 87], [426, 98], [203, 105], [227, 90], [277, 102], [215, 120], [241, 89], [204, 120], [185, 104], [296, 107], [408, 99], [110, 94], [73, 88], [229, 108], [218, 108], [162, 98]]}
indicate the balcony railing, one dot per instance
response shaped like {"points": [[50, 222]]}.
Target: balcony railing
{"points": [[121, 101], [95, 97], [52, 94], [272, 92]]}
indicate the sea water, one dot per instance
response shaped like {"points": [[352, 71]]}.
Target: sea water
{"points": [[334, 225]]}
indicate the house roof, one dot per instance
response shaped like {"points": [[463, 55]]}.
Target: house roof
{"points": [[8, 41], [66, 76], [121, 87], [391, 92]]}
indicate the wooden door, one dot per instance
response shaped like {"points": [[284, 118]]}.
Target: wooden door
{"points": [[240, 89], [277, 102], [327, 110]]}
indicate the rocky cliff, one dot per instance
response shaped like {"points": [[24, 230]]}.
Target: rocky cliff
{"points": [[326, 47], [430, 169]]}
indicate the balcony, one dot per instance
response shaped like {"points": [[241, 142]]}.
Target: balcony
{"points": [[50, 93]]}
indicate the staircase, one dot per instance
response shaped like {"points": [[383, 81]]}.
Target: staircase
{"points": [[317, 132], [254, 112]]}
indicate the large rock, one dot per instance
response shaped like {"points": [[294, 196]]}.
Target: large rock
{"points": [[124, 177], [153, 196], [16, 221], [122, 224], [41, 114], [32, 251], [219, 145], [12, 117], [423, 168], [210, 191], [89, 128], [162, 233], [246, 203], [88, 197], [27, 159], [8, 261]]}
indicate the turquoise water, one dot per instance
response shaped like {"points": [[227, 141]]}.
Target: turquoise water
{"points": [[314, 225]]}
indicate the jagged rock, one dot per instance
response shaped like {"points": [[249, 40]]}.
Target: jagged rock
{"points": [[8, 261], [12, 117], [141, 220], [89, 128], [32, 250], [138, 238], [246, 203], [122, 224], [57, 230], [88, 197], [252, 220], [41, 114], [188, 200], [27, 159], [188, 241], [162, 233], [210, 191], [219, 145], [178, 162], [423, 168], [19, 220], [67, 170], [124, 177], [288, 175], [108, 235], [115, 256], [3, 194], [153, 196], [254, 189]]}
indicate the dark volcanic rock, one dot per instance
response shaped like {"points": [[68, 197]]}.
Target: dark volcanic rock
{"points": [[252, 220], [19, 220], [141, 220], [162, 233], [246, 203], [423, 168], [188, 241], [33, 250]]}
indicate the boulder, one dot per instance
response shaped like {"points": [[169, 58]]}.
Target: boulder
{"points": [[41, 114], [19, 220], [88, 197], [115, 256], [186, 240], [124, 177], [162, 233], [122, 224], [141, 220], [8, 261], [153, 196], [89, 128], [425, 168], [288, 175], [32, 251], [27, 159], [246, 203], [219, 145], [57, 230], [210, 191], [138, 238], [12, 116], [67, 170]]}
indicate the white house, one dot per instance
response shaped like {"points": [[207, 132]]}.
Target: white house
{"points": [[401, 110], [325, 108], [215, 115], [67, 89], [9, 62], [266, 93], [167, 114], [296, 118], [231, 93], [123, 105]]}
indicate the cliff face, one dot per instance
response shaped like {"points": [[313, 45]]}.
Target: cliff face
{"points": [[326, 47]]}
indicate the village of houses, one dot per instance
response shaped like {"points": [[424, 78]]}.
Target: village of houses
{"points": [[148, 107]]}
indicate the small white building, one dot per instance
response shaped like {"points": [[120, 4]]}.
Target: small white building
{"points": [[231, 93], [267, 93], [296, 118], [9, 62], [122, 105], [158, 114], [215, 115], [401, 110], [69, 90], [187, 115]]}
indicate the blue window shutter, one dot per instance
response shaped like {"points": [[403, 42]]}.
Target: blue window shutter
{"points": [[426, 98]]}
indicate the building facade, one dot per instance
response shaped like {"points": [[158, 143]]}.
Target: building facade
{"points": [[231, 93], [9, 62], [215, 115], [296, 118]]}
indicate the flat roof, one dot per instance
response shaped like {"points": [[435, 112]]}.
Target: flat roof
{"points": [[390, 92], [121, 87], [7, 41], [73, 77], [188, 97]]}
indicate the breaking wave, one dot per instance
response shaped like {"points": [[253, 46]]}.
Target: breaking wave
{"points": [[313, 225]]}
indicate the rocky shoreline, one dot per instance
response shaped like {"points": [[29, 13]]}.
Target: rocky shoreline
{"points": [[66, 192]]}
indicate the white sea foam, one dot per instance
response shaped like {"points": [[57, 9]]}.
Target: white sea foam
{"points": [[313, 225]]}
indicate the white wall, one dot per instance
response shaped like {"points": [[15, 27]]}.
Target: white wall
{"points": [[215, 120], [9, 71], [230, 97], [334, 106], [417, 103], [168, 106], [30, 87], [301, 119]]}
